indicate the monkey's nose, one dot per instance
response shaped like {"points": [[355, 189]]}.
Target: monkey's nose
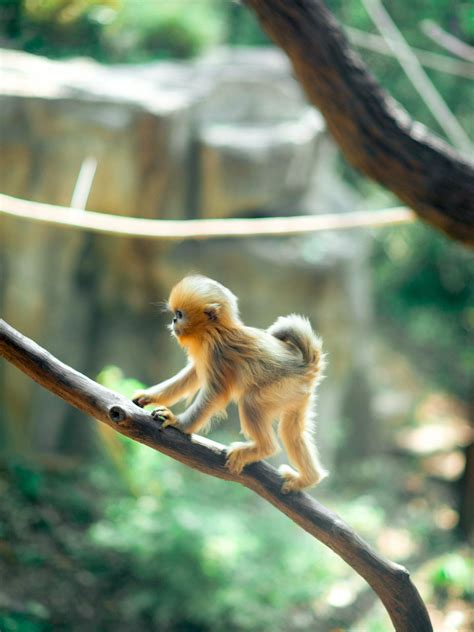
{"points": [[175, 320]]}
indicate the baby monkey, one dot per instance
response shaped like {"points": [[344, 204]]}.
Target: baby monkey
{"points": [[271, 374]]}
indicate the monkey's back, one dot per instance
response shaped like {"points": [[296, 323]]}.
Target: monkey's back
{"points": [[254, 360]]}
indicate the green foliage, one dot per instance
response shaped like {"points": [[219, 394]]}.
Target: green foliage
{"points": [[186, 553], [113, 30], [62, 27], [112, 377], [21, 622], [62, 11], [243, 28], [138, 30], [452, 574], [455, 17], [178, 551], [144, 30], [176, 536], [28, 480], [424, 289]]}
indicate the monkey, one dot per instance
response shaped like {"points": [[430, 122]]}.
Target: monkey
{"points": [[271, 374]]}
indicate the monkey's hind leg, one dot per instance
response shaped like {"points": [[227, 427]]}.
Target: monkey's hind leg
{"points": [[257, 426], [300, 449]]}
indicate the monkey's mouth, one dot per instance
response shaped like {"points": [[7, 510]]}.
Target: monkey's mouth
{"points": [[177, 330]]}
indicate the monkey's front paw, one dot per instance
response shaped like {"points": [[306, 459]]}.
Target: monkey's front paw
{"points": [[140, 398], [236, 460], [166, 416]]}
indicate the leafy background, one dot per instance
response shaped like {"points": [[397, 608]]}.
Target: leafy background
{"points": [[127, 539]]}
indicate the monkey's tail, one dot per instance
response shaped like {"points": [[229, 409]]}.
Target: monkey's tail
{"points": [[297, 331]]}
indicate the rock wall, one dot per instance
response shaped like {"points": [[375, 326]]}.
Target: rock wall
{"points": [[223, 135], [227, 135]]}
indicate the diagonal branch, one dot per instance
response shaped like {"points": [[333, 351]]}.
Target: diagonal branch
{"points": [[374, 134], [390, 581]]}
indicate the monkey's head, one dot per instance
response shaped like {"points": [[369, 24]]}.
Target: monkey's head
{"points": [[200, 306]]}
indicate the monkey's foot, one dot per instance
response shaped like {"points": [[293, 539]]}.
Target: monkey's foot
{"points": [[166, 416], [237, 457], [140, 398], [294, 482]]}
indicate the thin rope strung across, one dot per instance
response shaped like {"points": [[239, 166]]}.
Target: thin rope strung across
{"points": [[180, 230]]}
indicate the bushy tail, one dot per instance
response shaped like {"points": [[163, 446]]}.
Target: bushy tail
{"points": [[297, 331]]}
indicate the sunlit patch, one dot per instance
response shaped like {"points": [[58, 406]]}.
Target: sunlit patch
{"points": [[434, 437], [445, 518], [341, 595], [222, 548], [396, 544], [446, 466]]}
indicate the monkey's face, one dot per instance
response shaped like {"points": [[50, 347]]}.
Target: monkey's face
{"points": [[198, 305], [178, 324], [189, 320]]}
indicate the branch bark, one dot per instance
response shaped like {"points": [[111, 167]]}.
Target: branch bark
{"points": [[374, 134], [390, 581]]}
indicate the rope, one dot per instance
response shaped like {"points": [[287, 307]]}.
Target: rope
{"points": [[180, 230]]}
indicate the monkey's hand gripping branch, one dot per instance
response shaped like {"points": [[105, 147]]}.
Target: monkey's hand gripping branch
{"points": [[167, 418], [391, 582]]}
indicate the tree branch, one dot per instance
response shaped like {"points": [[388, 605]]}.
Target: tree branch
{"points": [[390, 581], [374, 134]]}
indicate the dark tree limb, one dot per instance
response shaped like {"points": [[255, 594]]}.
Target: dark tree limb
{"points": [[374, 134], [390, 581]]}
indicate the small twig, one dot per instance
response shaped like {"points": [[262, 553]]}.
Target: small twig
{"points": [[84, 182], [418, 77], [447, 41], [442, 63], [390, 581]]}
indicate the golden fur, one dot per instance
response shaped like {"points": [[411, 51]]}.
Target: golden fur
{"points": [[271, 374]]}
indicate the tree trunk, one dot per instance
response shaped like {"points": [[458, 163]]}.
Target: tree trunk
{"points": [[374, 133]]}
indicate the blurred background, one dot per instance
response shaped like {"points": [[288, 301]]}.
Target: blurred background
{"points": [[183, 109]]}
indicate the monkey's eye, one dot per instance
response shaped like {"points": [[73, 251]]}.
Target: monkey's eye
{"points": [[179, 314]]}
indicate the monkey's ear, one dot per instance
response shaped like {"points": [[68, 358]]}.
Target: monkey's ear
{"points": [[212, 311]]}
